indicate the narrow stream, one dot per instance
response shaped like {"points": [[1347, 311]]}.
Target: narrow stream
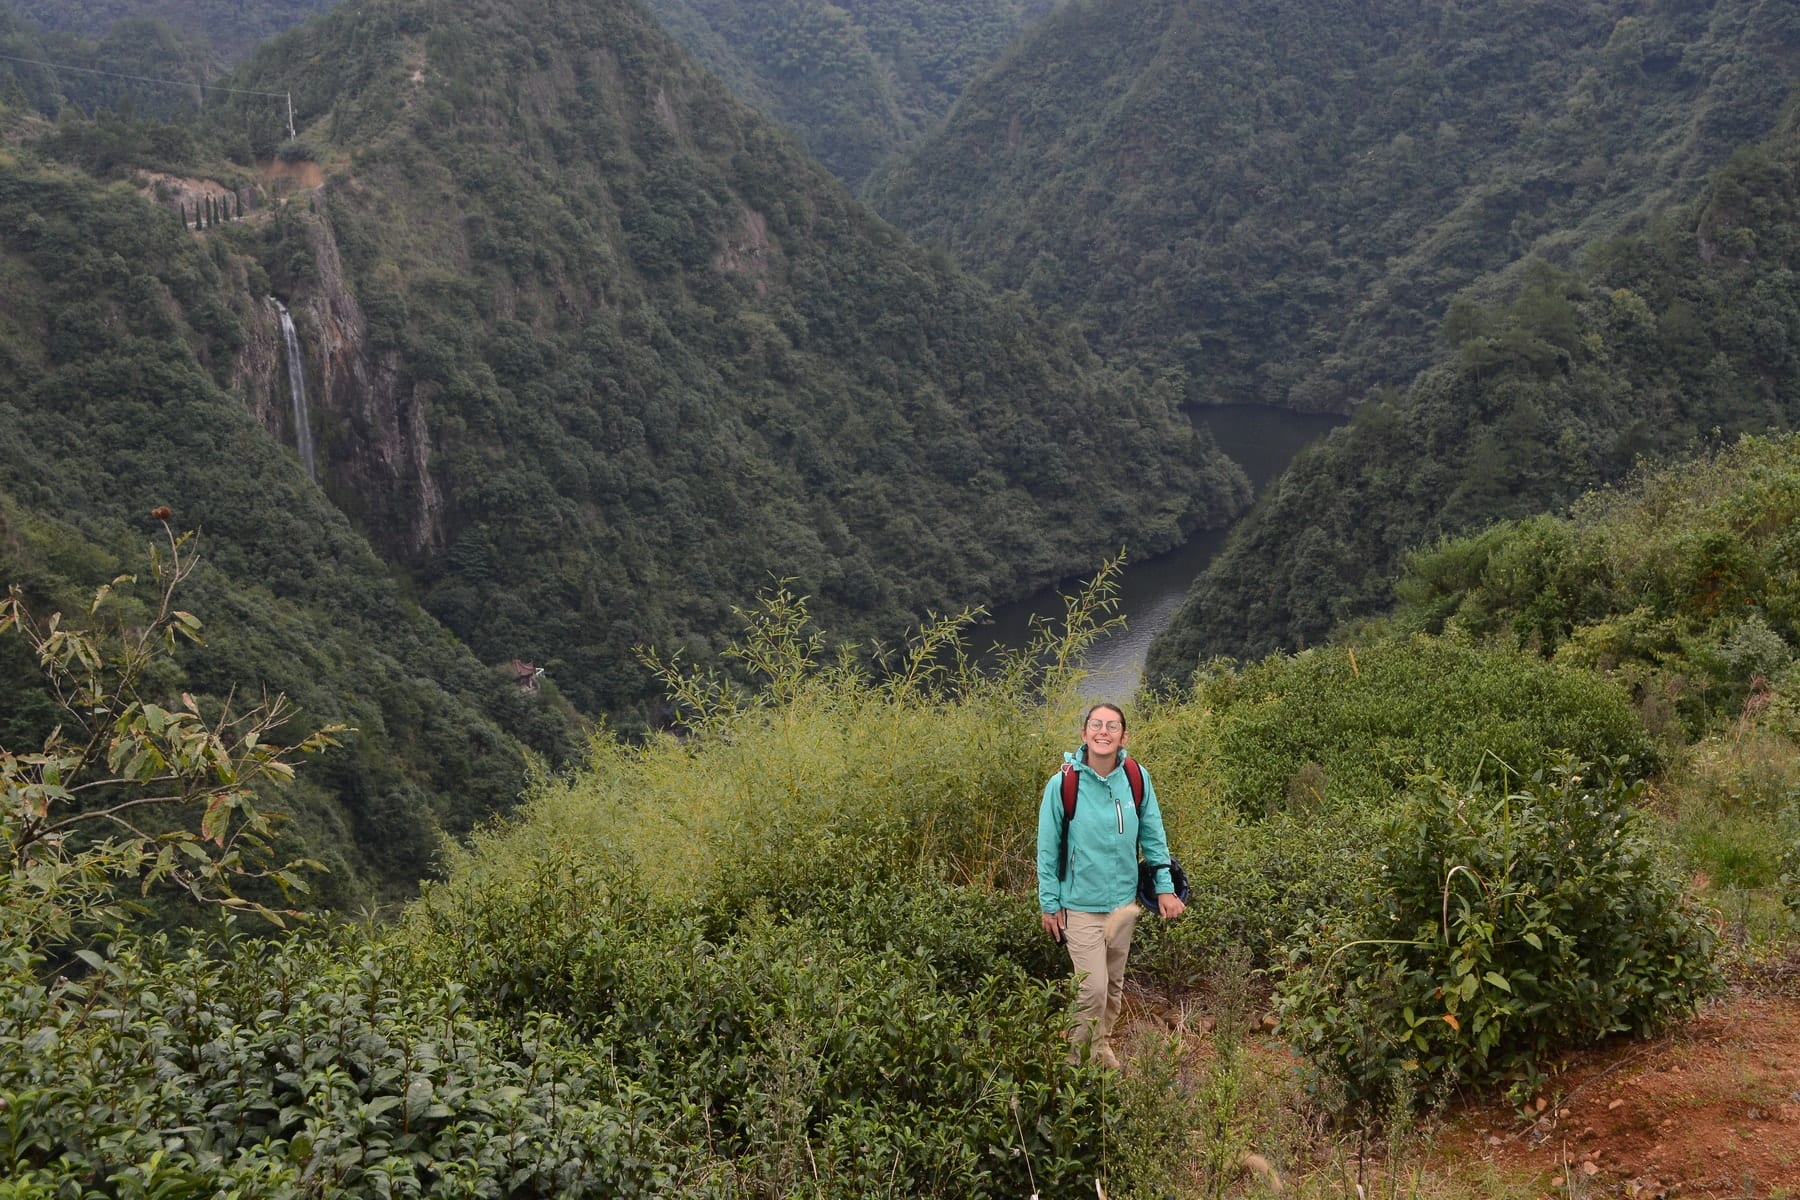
{"points": [[1262, 440]]}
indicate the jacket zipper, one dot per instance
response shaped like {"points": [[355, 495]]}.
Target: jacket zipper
{"points": [[1121, 807]]}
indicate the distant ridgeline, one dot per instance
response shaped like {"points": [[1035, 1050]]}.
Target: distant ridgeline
{"points": [[857, 80], [1282, 198], [1662, 343], [593, 355]]}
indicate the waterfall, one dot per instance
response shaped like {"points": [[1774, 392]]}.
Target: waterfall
{"points": [[296, 372]]}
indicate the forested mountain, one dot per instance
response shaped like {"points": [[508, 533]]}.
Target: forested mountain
{"points": [[857, 80], [652, 357], [1282, 197], [126, 344], [592, 354], [140, 47], [232, 28], [1662, 342], [135, 358]]}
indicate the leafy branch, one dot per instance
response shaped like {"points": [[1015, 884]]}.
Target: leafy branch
{"points": [[130, 788]]}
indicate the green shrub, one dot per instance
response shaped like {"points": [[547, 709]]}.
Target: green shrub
{"points": [[1255, 885], [287, 1069], [879, 1034], [1788, 864], [1346, 724], [1682, 581], [1504, 928]]}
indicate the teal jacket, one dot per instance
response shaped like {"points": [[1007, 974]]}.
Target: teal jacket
{"points": [[1104, 840]]}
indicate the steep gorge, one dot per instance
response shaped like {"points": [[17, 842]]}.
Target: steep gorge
{"points": [[602, 354], [593, 353]]}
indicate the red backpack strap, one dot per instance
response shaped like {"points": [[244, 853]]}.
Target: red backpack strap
{"points": [[1134, 774]]}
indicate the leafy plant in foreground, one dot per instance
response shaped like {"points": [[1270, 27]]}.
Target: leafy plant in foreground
{"points": [[1506, 927], [126, 788], [302, 1068]]}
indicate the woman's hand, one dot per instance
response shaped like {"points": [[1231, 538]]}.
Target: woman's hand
{"points": [[1055, 923], [1169, 905]]}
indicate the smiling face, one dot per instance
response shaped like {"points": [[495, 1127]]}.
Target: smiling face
{"points": [[1103, 731]]}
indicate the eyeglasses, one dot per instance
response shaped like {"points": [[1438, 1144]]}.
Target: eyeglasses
{"points": [[1098, 726]]}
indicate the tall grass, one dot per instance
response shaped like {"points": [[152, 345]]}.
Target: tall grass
{"points": [[817, 767], [819, 764], [1730, 809]]}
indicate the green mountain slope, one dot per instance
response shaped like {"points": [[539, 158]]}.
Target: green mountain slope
{"points": [[854, 81], [120, 336], [1686, 332], [231, 27], [601, 354], [1682, 582], [140, 65], [1281, 197]]}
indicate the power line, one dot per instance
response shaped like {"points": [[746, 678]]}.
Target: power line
{"points": [[184, 83], [180, 83]]}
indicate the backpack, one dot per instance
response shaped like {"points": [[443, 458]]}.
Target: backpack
{"points": [[1134, 775], [1071, 784]]}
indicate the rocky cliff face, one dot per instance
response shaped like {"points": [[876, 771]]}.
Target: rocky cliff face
{"points": [[256, 372], [374, 446]]}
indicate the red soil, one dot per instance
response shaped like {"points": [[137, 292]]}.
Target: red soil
{"points": [[1710, 1108]]}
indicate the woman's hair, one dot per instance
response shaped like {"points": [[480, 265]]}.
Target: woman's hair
{"points": [[1103, 704]]}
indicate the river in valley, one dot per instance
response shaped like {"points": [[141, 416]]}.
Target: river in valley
{"points": [[1260, 439]]}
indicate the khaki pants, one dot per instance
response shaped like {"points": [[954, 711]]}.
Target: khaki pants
{"points": [[1099, 944]]}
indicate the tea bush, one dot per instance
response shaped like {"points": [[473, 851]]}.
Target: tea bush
{"points": [[777, 1061], [887, 1027], [1682, 581], [1345, 724], [921, 1013], [290, 1069], [1255, 884], [1504, 928], [1275, 776]]}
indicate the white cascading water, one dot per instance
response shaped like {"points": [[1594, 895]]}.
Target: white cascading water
{"points": [[296, 370]]}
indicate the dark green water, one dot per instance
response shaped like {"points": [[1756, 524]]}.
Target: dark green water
{"points": [[1262, 441]]}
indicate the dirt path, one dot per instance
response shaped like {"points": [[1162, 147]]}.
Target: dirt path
{"points": [[1711, 1108]]}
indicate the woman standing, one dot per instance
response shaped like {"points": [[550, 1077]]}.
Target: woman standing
{"points": [[1088, 870]]}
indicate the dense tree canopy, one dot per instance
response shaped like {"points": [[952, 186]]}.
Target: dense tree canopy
{"points": [[1661, 342], [111, 404], [856, 81], [1281, 198], [663, 357], [232, 28]]}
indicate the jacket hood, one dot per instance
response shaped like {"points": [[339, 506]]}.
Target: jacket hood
{"points": [[1078, 757]]}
